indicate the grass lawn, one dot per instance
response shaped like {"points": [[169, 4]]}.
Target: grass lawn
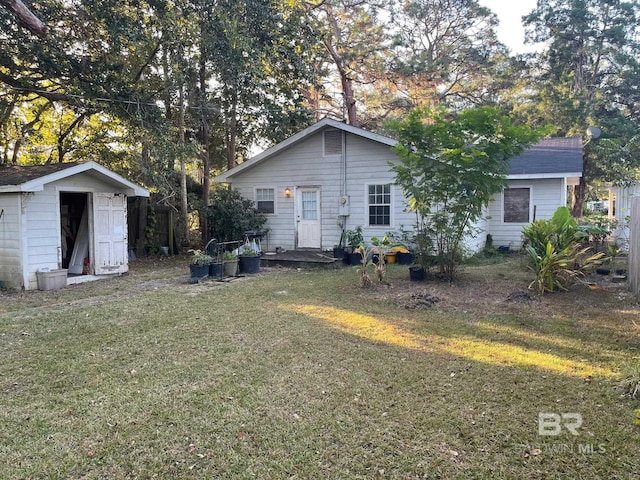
{"points": [[303, 374]]}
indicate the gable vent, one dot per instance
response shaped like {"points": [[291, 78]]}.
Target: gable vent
{"points": [[332, 142]]}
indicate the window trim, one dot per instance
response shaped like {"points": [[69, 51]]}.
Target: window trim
{"points": [[530, 213], [275, 198], [367, 205]]}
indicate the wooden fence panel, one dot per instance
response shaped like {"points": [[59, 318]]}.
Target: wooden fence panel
{"points": [[634, 247]]}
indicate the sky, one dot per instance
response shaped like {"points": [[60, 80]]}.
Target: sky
{"points": [[510, 30]]}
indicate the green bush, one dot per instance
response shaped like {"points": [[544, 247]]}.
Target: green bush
{"points": [[230, 215], [556, 254]]}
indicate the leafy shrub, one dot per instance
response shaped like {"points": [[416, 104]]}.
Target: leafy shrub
{"points": [[561, 231], [230, 215], [555, 251]]}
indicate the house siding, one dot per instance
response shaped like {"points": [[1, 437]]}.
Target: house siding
{"points": [[546, 196], [368, 164], [299, 162], [42, 233], [303, 165], [10, 241]]}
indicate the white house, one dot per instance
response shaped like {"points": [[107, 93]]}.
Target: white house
{"points": [[332, 174], [538, 182], [64, 215]]}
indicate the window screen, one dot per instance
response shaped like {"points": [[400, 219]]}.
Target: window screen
{"points": [[516, 205], [265, 200]]}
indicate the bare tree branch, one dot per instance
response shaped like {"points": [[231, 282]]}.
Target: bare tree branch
{"points": [[26, 17]]}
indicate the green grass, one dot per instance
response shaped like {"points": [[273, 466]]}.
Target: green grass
{"points": [[303, 374]]}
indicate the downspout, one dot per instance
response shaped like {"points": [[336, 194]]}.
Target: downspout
{"points": [[342, 218], [343, 165]]}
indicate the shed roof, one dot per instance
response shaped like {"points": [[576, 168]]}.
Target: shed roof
{"points": [[33, 178]]}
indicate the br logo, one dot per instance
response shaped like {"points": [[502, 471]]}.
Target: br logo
{"points": [[552, 423]]}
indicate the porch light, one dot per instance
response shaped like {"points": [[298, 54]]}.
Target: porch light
{"points": [[287, 192]]}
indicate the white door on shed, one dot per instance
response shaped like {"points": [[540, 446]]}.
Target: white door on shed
{"points": [[110, 229], [308, 217]]}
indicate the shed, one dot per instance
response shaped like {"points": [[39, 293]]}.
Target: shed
{"points": [[62, 216]]}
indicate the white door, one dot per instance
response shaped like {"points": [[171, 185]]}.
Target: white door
{"points": [[308, 217], [110, 231]]}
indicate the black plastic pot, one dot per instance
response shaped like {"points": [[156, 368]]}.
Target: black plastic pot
{"points": [[355, 258], [404, 258], [215, 269], [198, 271], [338, 252], [416, 274], [249, 263]]}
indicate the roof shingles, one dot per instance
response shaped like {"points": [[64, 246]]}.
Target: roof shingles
{"points": [[551, 155], [17, 174]]}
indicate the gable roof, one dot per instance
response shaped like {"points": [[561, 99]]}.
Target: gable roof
{"points": [[33, 178], [551, 157], [300, 136]]}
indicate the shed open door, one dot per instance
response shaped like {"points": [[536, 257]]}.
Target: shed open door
{"points": [[110, 230]]}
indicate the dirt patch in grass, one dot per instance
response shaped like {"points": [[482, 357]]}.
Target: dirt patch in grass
{"points": [[493, 289]]}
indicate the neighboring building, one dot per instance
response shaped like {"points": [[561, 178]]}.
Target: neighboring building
{"points": [[63, 215], [332, 175], [620, 201]]}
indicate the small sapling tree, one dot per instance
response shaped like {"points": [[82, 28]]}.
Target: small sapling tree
{"points": [[451, 164]]}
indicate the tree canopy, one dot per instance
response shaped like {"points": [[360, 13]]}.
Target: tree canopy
{"points": [[169, 89], [451, 164]]}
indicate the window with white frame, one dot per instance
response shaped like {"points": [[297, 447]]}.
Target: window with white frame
{"points": [[379, 203], [516, 205], [266, 200]]}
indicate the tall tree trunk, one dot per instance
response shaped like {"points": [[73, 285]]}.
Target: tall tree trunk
{"points": [[184, 206], [580, 190], [204, 129], [347, 85], [232, 130], [63, 136]]}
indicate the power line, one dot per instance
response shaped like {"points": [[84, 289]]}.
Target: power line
{"points": [[156, 105]]}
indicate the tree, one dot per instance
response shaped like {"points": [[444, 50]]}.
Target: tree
{"points": [[230, 216], [444, 51], [450, 167], [25, 16], [355, 44], [584, 75]]}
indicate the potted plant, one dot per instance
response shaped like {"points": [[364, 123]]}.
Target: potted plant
{"points": [[199, 264], [354, 240], [404, 247], [424, 258], [249, 259], [215, 267], [338, 250], [230, 264]]}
